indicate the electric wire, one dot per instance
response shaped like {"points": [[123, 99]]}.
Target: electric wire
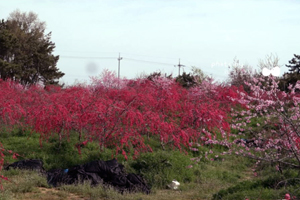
{"points": [[82, 57], [145, 61]]}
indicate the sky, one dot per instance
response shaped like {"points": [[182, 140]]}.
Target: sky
{"points": [[154, 35]]}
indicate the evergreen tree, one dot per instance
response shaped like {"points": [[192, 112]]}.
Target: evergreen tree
{"points": [[294, 64]]}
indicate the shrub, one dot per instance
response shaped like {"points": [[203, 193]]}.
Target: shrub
{"points": [[160, 168]]}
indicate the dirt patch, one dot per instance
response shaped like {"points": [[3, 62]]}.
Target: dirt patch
{"points": [[51, 194]]}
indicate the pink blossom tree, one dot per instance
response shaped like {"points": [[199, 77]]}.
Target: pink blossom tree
{"points": [[269, 127]]}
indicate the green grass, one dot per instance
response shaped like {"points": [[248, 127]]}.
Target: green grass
{"points": [[226, 177], [21, 182], [54, 154]]}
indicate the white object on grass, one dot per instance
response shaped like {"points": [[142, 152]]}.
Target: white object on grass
{"points": [[174, 185]]}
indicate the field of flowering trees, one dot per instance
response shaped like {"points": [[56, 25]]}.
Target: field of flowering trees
{"points": [[123, 114]]}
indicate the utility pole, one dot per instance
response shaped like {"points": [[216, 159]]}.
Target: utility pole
{"points": [[119, 60], [179, 65]]}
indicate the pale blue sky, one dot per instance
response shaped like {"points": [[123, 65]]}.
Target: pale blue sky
{"points": [[206, 34]]}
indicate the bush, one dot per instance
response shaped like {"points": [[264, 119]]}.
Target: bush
{"points": [[160, 168]]}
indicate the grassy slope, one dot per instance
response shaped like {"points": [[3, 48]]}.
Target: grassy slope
{"points": [[202, 181]]}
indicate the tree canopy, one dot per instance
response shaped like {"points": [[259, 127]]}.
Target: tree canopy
{"points": [[240, 74], [26, 52]]}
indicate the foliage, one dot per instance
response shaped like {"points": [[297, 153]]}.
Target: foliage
{"points": [[26, 51], [186, 80]]}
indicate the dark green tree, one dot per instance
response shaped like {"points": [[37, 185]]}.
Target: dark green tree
{"points": [[26, 52], [186, 80], [156, 75], [192, 79], [291, 77], [288, 79], [294, 64]]}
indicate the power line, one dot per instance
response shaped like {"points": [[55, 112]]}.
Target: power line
{"points": [[146, 61], [156, 57], [130, 59], [82, 57]]}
